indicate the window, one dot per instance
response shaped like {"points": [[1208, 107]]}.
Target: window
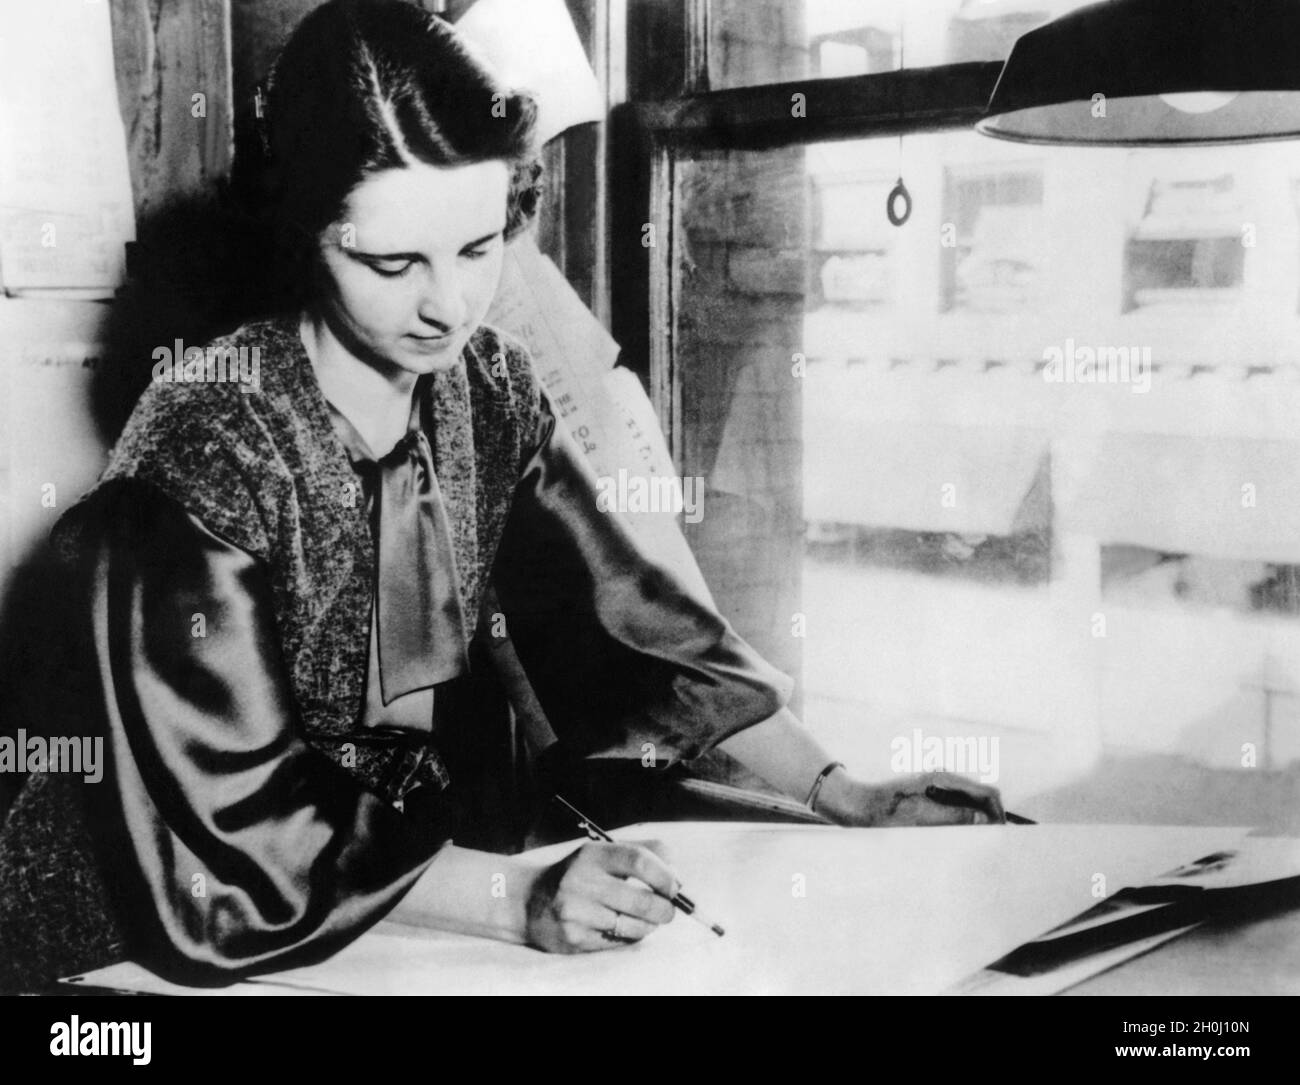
{"points": [[1024, 467]]}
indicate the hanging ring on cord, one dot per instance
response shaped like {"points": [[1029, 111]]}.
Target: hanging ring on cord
{"points": [[898, 192]]}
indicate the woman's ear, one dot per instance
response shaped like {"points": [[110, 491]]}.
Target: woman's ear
{"points": [[525, 196]]}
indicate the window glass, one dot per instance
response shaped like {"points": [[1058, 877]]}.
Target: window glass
{"points": [[1025, 466], [773, 41]]}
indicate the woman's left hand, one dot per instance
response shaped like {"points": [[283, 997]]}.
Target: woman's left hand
{"points": [[907, 800]]}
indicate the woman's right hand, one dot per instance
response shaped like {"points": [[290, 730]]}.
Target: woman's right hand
{"points": [[592, 900]]}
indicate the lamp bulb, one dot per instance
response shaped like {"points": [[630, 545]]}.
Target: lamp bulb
{"points": [[1200, 101]]}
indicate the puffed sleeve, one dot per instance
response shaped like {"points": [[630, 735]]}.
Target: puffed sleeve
{"points": [[235, 847], [619, 650]]}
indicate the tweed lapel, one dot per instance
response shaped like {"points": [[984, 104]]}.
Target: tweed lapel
{"points": [[329, 547], [334, 520], [451, 417]]}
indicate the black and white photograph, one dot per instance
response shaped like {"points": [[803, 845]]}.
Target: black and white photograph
{"points": [[651, 497]]}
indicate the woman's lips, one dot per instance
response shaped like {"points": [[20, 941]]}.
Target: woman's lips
{"points": [[432, 344]]}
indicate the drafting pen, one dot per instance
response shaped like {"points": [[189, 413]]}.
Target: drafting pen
{"points": [[681, 901], [947, 797]]}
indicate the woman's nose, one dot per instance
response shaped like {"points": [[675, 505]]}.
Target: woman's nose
{"points": [[441, 303]]}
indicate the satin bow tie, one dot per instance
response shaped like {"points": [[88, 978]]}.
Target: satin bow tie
{"points": [[420, 619]]}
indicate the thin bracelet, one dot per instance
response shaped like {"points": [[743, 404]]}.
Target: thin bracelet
{"points": [[811, 801]]}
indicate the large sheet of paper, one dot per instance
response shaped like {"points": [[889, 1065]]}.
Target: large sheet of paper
{"points": [[808, 910], [604, 408], [66, 209]]}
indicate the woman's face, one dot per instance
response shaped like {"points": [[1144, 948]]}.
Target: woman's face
{"points": [[413, 264]]}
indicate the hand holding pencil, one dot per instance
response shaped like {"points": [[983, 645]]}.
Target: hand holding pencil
{"points": [[590, 900]]}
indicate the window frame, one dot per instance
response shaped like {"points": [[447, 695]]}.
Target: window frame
{"points": [[669, 117]]}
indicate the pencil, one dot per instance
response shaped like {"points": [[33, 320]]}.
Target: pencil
{"points": [[948, 797]]}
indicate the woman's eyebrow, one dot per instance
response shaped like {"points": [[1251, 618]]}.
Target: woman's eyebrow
{"points": [[485, 239], [419, 256]]}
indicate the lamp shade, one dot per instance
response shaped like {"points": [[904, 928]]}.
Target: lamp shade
{"points": [[1154, 73]]}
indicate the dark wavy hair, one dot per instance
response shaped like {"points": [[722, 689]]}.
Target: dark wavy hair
{"points": [[369, 85]]}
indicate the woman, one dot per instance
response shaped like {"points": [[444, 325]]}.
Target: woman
{"points": [[281, 601]]}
